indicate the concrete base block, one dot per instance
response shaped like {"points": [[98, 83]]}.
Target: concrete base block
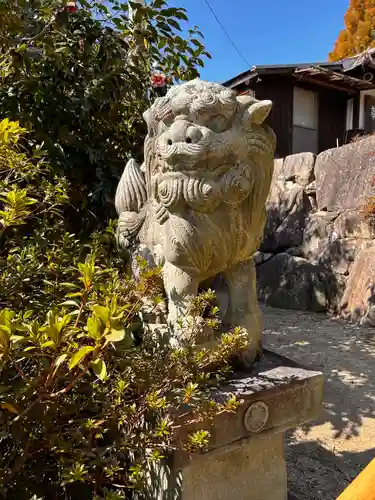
{"points": [[252, 469], [245, 458]]}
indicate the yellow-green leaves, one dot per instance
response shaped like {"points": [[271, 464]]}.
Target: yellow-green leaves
{"points": [[6, 329], [54, 328], [198, 440], [87, 270], [99, 368], [78, 472], [10, 131], [102, 313], [190, 391], [231, 404], [105, 325], [80, 355], [163, 428], [94, 327], [155, 401], [60, 360], [115, 334], [15, 207], [4, 341]]}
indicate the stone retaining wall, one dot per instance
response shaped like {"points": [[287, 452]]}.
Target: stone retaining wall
{"points": [[316, 246]]}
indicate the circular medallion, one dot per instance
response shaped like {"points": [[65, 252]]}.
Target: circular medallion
{"points": [[256, 416]]}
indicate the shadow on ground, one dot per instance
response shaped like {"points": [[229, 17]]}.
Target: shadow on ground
{"points": [[317, 473], [324, 456]]}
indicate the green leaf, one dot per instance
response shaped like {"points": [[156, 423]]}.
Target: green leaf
{"points": [[175, 24], [162, 43], [4, 344], [49, 343], [69, 303], [64, 50], [101, 312], [69, 285], [118, 22], [99, 368], [60, 360], [181, 15], [171, 11], [79, 355], [94, 327], [115, 335], [17, 338], [197, 43], [5, 329], [30, 348]]}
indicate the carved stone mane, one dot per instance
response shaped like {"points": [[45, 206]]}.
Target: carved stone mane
{"points": [[197, 204]]}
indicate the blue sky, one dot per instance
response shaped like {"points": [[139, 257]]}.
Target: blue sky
{"points": [[266, 32]]}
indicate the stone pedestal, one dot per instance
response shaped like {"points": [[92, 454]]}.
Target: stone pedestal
{"points": [[245, 460], [252, 468]]}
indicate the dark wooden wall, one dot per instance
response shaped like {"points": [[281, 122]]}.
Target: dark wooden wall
{"points": [[280, 92], [331, 118], [331, 111]]}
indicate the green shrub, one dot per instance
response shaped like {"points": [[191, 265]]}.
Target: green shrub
{"points": [[80, 82], [87, 400]]}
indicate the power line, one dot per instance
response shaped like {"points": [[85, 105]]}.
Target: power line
{"points": [[227, 34]]}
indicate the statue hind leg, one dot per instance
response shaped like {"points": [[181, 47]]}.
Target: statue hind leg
{"points": [[243, 306]]}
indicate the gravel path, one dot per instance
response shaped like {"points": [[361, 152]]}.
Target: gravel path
{"points": [[324, 456]]}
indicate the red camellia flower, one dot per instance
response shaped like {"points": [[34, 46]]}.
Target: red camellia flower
{"points": [[158, 80], [71, 7]]}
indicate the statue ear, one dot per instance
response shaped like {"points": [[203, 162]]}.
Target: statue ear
{"points": [[259, 111], [246, 100]]}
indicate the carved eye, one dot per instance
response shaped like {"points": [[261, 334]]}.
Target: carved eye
{"points": [[169, 142], [193, 134]]}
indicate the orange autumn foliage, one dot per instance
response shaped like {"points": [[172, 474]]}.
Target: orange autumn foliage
{"points": [[359, 32]]}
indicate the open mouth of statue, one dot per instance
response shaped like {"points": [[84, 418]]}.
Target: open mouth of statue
{"points": [[197, 170]]}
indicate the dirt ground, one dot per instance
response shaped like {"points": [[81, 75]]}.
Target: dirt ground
{"points": [[324, 456]]}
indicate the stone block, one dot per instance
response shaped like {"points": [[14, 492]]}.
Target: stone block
{"points": [[277, 169], [358, 301], [318, 230], [344, 175], [339, 255], [299, 168], [260, 257], [289, 282], [287, 209], [295, 251], [350, 224], [254, 468], [245, 458], [310, 189], [335, 255]]}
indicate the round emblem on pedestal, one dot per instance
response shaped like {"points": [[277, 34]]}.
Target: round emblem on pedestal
{"points": [[256, 416]]}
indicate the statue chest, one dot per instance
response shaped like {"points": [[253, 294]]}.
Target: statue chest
{"points": [[201, 243]]}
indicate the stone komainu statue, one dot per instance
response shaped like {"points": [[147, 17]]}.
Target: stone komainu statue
{"points": [[197, 204]]}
